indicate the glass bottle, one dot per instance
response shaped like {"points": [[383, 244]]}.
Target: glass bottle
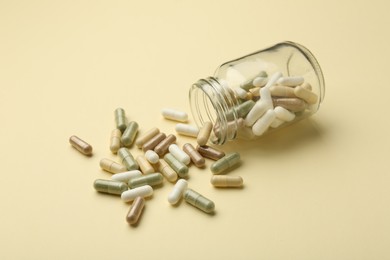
{"points": [[269, 82]]}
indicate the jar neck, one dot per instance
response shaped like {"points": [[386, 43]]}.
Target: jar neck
{"points": [[211, 101]]}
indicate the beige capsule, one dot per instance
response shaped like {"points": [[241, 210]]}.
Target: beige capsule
{"points": [[163, 167], [144, 165], [147, 136], [155, 140], [111, 166], [115, 140], [195, 156], [292, 104], [163, 146], [306, 95], [80, 145], [210, 152], [282, 91], [204, 133], [226, 181], [306, 85]]}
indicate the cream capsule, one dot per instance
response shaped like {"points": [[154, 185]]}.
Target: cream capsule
{"points": [[273, 79], [197, 200], [282, 91], [263, 123], [147, 136], [115, 140], [126, 176], [292, 104], [142, 191], [179, 154], [195, 156], [151, 156], [226, 163], [111, 166], [129, 134], [204, 133], [177, 191], [290, 81], [256, 112], [210, 152], [187, 130], [226, 181], [110, 186], [135, 210], [284, 114], [166, 170], [180, 168], [151, 179], [163, 146], [127, 159], [144, 165], [155, 140], [175, 115], [120, 119], [80, 145], [306, 95]]}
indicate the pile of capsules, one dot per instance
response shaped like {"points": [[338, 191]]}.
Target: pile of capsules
{"points": [[134, 178], [272, 101]]}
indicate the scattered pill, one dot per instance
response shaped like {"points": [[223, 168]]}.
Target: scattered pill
{"points": [[177, 191], [151, 179], [226, 181], [210, 152], [135, 210], [110, 186], [195, 156], [175, 115], [306, 95], [127, 159], [292, 104], [166, 170], [126, 176], [129, 134], [284, 114], [187, 130], [120, 119], [147, 136], [111, 166], [263, 122], [115, 140], [142, 191], [179, 154], [155, 140], [180, 168], [151, 156], [144, 165], [205, 131], [163, 146], [80, 145], [225, 163], [290, 81], [197, 200]]}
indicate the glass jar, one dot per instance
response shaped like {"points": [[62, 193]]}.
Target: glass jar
{"points": [[259, 93]]}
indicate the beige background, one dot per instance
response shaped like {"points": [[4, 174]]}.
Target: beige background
{"points": [[316, 190]]}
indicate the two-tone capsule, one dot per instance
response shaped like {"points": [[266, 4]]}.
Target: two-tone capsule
{"points": [[225, 163], [80, 145]]}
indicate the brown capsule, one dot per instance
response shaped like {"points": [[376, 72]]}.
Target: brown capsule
{"points": [[146, 137], [292, 104], [195, 156], [163, 146], [81, 146], [151, 144], [135, 210], [210, 152]]}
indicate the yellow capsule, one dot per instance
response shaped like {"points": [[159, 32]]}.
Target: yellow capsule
{"points": [[166, 170], [204, 133], [226, 181], [111, 166], [115, 140], [144, 165]]}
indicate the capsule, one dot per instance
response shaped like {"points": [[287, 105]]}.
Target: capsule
{"points": [[151, 179], [290, 81], [110, 186], [210, 152], [129, 134], [135, 210], [273, 79], [127, 159], [126, 176], [180, 168], [179, 154], [240, 92], [155, 140], [163, 146], [115, 140], [80, 145], [187, 130], [284, 114], [177, 191], [120, 119], [166, 170], [306, 95], [266, 97], [174, 115], [276, 123], [147, 136], [204, 133], [282, 91], [241, 110], [292, 104], [263, 122], [144, 165], [197, 200], [260, 81], [225, 163], [142, 191], [226, 181], [256, 112], [111, 166], [195, 156], [152, 156]]}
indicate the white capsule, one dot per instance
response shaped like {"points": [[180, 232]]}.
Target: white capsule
{"points": [[260, 81], [152, 156], [174, 115], [276, 123], [179, 154], [241, 93], [284, 114], [265, 95], [256, 112], [177, 191], [290, 81], [126, 176], [263, 122], [187, 130], [142, 191], [273, 79]]}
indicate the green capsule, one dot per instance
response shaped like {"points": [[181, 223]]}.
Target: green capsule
{"points": [[225, 163], [197, 200], [242, 110], [129, 134], [120, 119], [110, 186], [180, 168], [127, 159], [151, 179]]}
